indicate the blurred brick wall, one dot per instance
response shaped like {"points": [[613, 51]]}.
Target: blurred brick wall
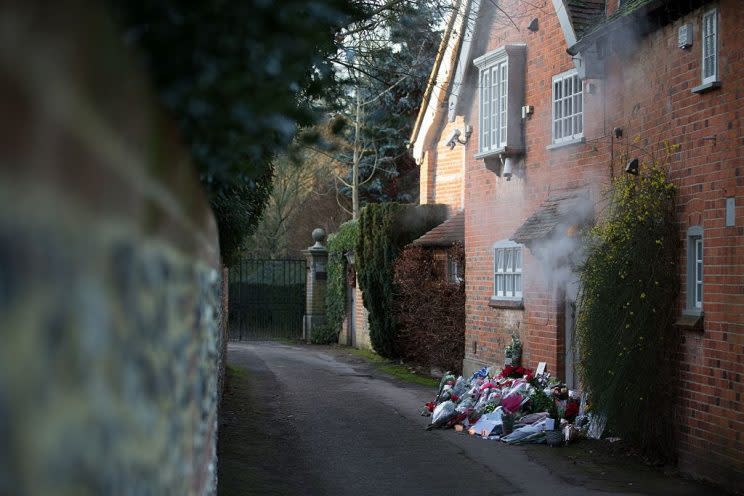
{"points": [[109, 272]]}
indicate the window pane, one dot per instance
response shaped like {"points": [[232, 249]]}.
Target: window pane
{"points": [[508, 260], [509, 285], [494, 107], [699, 294], [485, 142], [499, 260], [518, 284], [518, 259], [499, 285]]}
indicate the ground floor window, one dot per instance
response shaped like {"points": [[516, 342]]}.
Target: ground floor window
{"points": [[507, 269], [695, 269]]}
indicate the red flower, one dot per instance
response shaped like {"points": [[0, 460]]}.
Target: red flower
{"points": [[516, 372], [572, 410]]}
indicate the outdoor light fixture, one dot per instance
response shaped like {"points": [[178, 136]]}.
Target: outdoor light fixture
{"points": [[508, 167], [632, 167], [534, 25]]}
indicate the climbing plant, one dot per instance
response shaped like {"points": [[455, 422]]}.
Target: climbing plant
{"points": [[384, 229], [340, 243], [624, 324]]}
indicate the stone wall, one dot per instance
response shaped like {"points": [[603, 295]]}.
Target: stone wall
{"points": [[109, 272]]}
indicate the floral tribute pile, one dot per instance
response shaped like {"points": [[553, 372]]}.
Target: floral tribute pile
{"points": [[514, 405]]}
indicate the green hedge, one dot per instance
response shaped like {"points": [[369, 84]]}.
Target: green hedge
{"points": [[339, 243], [384, 229], [627, 308]]}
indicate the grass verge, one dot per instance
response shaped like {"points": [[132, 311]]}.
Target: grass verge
{"points": [[399, 371]]}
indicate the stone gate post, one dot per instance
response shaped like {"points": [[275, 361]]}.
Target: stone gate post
{"points": [[315, 308]]}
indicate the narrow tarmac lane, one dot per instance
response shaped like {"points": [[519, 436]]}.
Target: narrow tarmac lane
{"points": [[304, 420]]}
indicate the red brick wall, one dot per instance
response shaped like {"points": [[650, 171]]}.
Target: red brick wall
{"points": [[442, 170], [653, 100], [495, 207], [647, 93]]}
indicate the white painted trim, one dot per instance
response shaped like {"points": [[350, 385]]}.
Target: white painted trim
{"points": [[462, 62], [446, 68], [562, 13], [498, 55]]}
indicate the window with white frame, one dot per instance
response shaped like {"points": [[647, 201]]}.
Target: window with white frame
{"points": [[507, 270], [568, 107], [710, 46], [695, 269], [493, 106], [500, 99], [454, 270]]}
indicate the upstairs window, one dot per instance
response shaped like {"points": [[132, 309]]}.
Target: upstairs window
{"points": [[493, 106], [500, 99], [507, 278], [568, 107], [710, 46]]}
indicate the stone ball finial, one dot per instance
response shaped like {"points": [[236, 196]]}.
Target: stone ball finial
{"points": [[318, 235]]}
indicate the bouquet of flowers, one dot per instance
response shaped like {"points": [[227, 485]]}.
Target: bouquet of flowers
{"points": [[516, 372]]}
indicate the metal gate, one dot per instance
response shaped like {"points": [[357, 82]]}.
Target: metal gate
{"points": [[267, 299]]}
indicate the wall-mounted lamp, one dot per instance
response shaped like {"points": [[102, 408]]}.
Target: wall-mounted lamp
{"points": [[534, 25], [618, 132], [632, 167], [527, 111], [507, 166]]}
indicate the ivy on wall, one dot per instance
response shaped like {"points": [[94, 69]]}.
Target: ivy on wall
{"points": [[624, 326], [340, 243], [384, 229]]}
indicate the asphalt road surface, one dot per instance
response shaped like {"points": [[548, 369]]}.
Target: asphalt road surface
{"points": [[308, 420]]}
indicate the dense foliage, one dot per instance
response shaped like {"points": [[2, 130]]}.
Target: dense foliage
{"points": [[627, 308], [340, 243], [384, 229], [386, 68], [324, 334], [429, 308], [239, 78]]}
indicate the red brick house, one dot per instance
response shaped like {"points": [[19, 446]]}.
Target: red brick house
{"points": [[550, 102]]}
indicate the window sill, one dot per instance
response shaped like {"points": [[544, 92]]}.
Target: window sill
{"points": [[506, 151], [562, 144], [490, 153], [690, 321], [705, 87], [515, 304]]}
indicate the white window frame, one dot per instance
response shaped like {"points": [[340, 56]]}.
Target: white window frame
{"points": [[709, 46], [567, 110], [695, 270], [507, 279], [493, 104], [454, 271]]}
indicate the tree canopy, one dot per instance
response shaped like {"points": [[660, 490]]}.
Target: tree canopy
{"points": [[239, 78]]}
